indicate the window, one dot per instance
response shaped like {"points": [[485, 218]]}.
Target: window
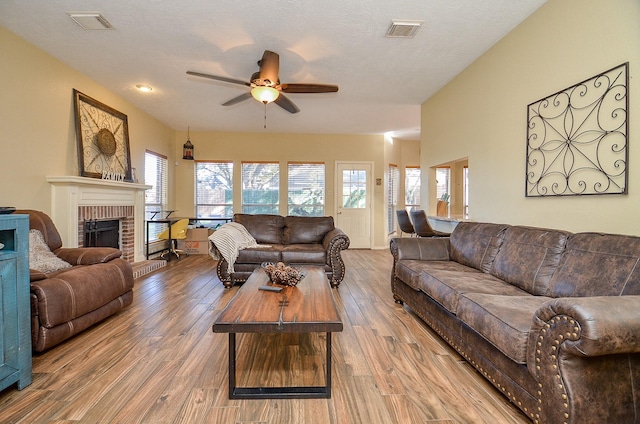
{"points": [[412, 188], [214, 189], [155, 199], [465, 181], [443, 181], [305, 195], [260, 187], [392, 199]]}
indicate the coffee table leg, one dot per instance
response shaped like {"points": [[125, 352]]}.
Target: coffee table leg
{"points": [[327, 379], [305, 392], [232, 364]]}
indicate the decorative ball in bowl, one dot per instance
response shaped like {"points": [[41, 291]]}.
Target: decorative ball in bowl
{"points": [[280, 273]]}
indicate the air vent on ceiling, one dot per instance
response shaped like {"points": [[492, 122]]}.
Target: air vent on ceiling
{"points": [[403, 29], [90, 20]]}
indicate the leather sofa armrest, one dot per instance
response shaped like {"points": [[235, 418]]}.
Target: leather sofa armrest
{"points": [[88, 255], [591, 326], [335, 239], [420, 248], [583, 351], [334, 242], [35, 275]]}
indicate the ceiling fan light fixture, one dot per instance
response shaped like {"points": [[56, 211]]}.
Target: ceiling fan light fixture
{"points": [[264, 94]]}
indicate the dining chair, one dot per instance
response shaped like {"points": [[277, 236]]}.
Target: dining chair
{"points": [[422, 226], [405, 223]]}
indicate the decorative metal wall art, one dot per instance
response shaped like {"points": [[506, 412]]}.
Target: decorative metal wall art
{"points": [[577, 139], [103, 140]]}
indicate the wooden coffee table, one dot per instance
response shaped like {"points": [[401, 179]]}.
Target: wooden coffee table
{"points": [[307, 308]]}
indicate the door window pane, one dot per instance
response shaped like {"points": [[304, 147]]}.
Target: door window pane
{"points": [[354, 189]]}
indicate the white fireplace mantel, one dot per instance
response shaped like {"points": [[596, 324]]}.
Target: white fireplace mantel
{"points": [[70, 192]]}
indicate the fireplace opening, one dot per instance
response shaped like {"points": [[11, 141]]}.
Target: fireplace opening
{"points": [[103, 233]]}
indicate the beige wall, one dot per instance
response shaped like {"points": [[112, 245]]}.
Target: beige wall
{"points": [[38, 139], [482, 113], [38, 125], [327, 148]]}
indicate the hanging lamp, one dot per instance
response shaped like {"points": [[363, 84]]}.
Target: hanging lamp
{"points": [[187, 148]]}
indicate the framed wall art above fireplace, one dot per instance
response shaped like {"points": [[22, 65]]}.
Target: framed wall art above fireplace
{"points": [[103, 140], [577, 138]]}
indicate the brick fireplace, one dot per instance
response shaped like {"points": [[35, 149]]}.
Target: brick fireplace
{"points": [[76, 199], [123, 214]]}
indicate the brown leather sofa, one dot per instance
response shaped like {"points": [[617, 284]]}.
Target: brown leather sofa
{"points": [[68, 301], [550, 318], [294, 240]]}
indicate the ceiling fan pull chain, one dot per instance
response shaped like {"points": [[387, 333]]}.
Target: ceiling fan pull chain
{"points": [[265, 115]]}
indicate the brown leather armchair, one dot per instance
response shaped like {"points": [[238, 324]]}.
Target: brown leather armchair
{"points": [[65, 302]]}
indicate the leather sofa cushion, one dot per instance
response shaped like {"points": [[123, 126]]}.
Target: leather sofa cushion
{"points": [[304, 254], [447, 286], [476, 244], [595, 264], [529, 256], [410, 270], [258, 255], [79, 290], [504, 321], [300, 229], [266, 229]]}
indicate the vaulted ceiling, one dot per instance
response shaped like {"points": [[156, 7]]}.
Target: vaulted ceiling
{"points": [[382, 80]]}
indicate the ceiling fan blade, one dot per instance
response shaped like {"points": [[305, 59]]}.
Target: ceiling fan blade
{"points": [[309, 88], [218, 78], [269, 68], [286, 104], [238, 99]]}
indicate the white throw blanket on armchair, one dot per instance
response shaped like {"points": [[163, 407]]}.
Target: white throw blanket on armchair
{"points": [[229, 240]]}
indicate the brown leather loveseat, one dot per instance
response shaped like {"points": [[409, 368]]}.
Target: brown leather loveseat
{"points": [[550, 318], [294, 240], [67, 301]]}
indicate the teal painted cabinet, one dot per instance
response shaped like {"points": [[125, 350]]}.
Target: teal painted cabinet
{"points": [[15, 336]]}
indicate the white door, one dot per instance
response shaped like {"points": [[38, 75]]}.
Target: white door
{"points": [[354, 199]]}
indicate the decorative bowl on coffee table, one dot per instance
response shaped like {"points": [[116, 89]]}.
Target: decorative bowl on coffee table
{"points": [[281, 273]]}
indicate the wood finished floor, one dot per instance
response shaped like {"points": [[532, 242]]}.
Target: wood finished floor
{"points": [[158, 361]]}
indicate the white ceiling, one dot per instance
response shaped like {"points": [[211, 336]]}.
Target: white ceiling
{"points": [[382, 80]]}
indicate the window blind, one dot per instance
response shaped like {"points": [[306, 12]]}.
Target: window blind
{"points": [[214, 189], [260, 187], [306, 189]]}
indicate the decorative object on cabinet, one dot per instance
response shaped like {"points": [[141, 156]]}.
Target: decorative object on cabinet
{"points": [[103, 140], [15, 338], [577, 138]]}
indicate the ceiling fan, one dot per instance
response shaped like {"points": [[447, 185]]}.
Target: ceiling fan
{"points": [[266, 87]]}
